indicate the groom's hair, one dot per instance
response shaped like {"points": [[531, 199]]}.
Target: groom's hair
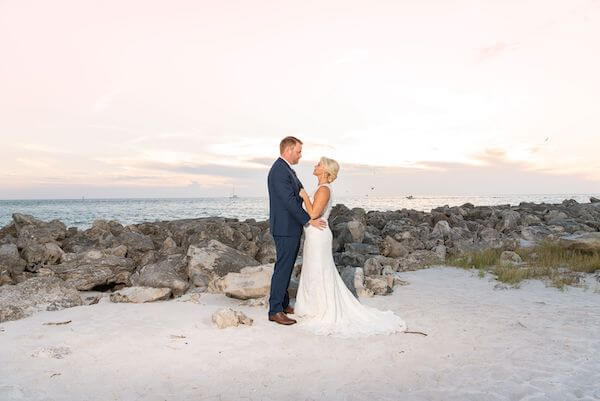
{"points": [[288, 141]]}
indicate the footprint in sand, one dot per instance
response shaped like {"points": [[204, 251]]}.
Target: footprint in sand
{"points": [[52, 352]]}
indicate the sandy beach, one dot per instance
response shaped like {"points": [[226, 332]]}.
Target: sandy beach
{"points": [[483, 343]]}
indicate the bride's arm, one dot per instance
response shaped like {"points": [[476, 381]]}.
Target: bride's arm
{"points": [[315, 209]]}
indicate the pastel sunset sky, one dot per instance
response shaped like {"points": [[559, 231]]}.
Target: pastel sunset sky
{"points": [[189, 98]]}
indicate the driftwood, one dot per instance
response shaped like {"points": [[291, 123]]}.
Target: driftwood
{"points": [[415, 332], [56, 323]]}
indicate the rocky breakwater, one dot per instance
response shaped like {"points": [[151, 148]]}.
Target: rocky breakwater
{"points": [[47, 266]]}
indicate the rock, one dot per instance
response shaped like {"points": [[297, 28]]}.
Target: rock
{"points": [[137, 244], [509, 221], [214, 260], [555, 215], [36, 294], [266, 249], [490, 238], [442, 229], [140, 295], [569, 202], [393, 249], [348, 275], [5, 277], [10, 261], [530, 219], [372, 267], [594, 199], [264, 302], [167, 273], [379, 285], [199, 232], [149, 258], [227, 317], [581, 241], [535, 233], [94, 268], [33, 254], [418, 260], [363, 249], [249, 283], [349, 258], [357, 230], [440, 252], [120, 251], [30, 230], [193, 295], [169, 247], [510, 258], [52, 253]]}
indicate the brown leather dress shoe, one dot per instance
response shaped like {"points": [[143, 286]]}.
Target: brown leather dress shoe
{"points": [[281, 318], [289, 310]]}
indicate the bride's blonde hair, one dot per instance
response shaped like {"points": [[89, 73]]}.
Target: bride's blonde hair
{"points": [[331, 166]]}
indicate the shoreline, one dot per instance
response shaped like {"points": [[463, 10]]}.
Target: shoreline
{"points": [[82, 213]]}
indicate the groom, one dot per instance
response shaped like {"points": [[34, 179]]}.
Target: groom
{"points": [[286, 219]]}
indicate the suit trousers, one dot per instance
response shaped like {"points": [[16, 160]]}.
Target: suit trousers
{"points": [[287, 250]]}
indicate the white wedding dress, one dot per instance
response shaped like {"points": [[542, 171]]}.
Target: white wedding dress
{"points": [[324, 305]]}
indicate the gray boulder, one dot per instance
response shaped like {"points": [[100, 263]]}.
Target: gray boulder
{"points": [[349, 259], [510, 258], [380, 285], [357, 230], [94, 268], [442, 229], [393, 249], [10, 261], [509, 221], [363, 249], [354, 279], [167, 273], [227, 317], [36, 294], [582, 241], [137, 244], [418, 260], [37, 255], [250, 283], [140, 295], [372, 267], [30, 229], [215, 259], [535, 233]]}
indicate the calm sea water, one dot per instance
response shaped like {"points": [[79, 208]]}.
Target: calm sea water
{"points": [[82, 213]]}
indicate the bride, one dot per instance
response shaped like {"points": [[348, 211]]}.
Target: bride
{"points": [[324, 304]]}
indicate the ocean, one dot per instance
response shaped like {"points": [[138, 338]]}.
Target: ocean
{"points": [[81, 213]]}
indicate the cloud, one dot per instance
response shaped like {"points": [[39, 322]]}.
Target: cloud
{"points": [[264, 161], [104, 101], [495, 50]]}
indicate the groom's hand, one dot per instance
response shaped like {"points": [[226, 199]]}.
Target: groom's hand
{"points": [[318, 223]]}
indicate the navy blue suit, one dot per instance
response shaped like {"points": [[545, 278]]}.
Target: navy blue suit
{"points": [[286, 221]]}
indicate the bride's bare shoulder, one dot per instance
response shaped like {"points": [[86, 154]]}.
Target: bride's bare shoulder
{"points": [[323, 190]]}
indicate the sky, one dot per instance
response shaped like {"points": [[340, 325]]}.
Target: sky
{"points": [[181, 98]]}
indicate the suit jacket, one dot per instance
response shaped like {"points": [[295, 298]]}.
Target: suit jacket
{"points": [[286, 215]]}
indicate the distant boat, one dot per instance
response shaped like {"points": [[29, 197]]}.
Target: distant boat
{"points": [[233, 195], [410, 197]]}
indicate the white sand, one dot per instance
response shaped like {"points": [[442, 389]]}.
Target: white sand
{"points": [[532, 343]]}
